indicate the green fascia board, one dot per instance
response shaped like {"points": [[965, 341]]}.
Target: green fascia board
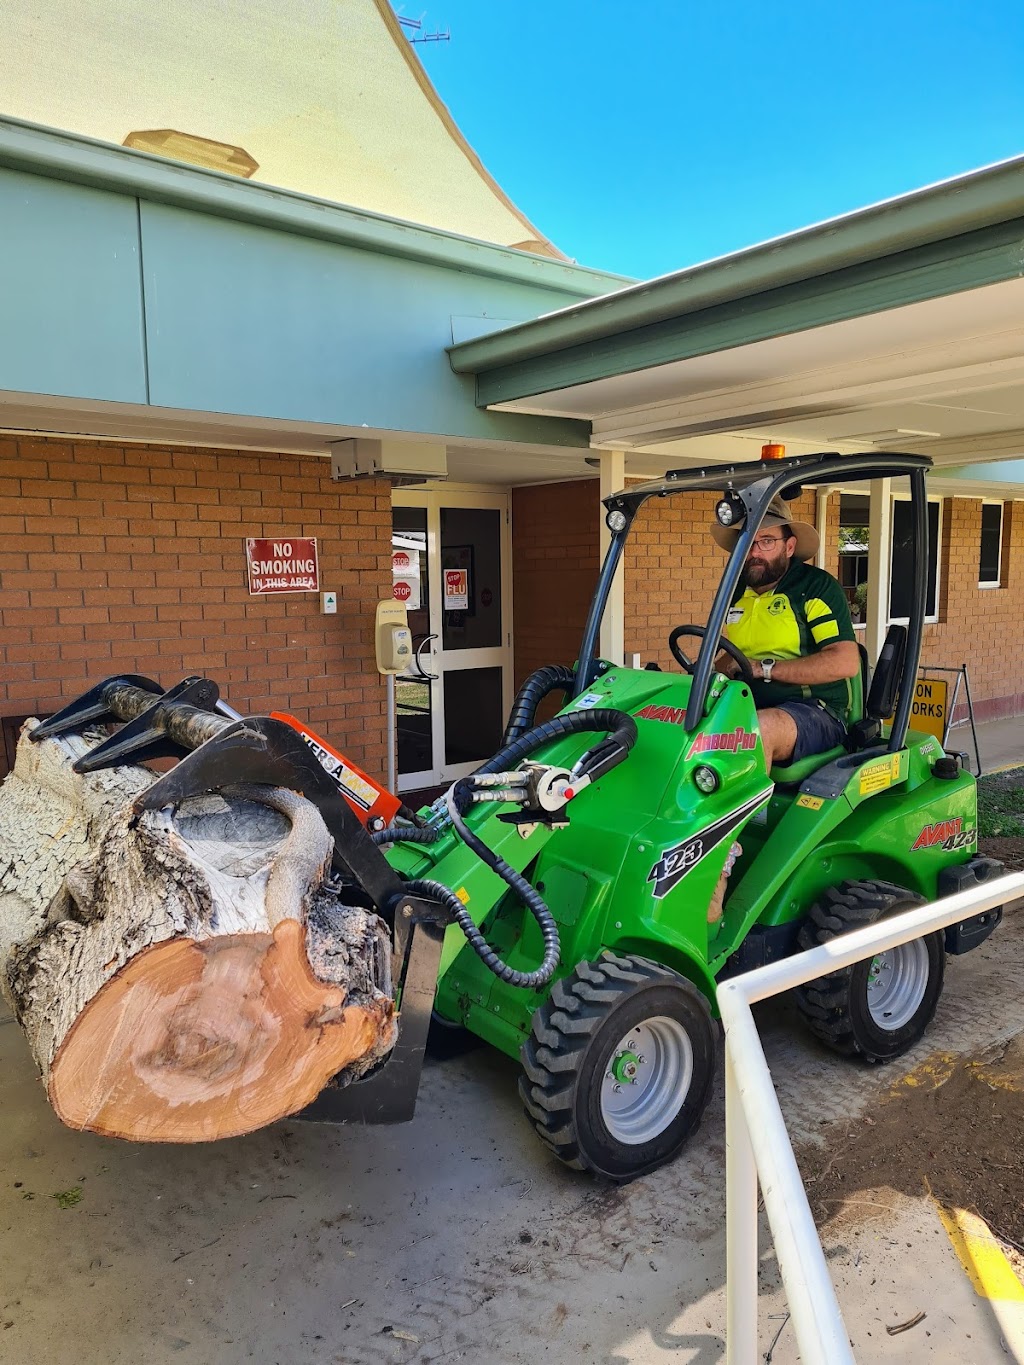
{"points": [[246, 319], [85, 161], [953, 208], [986, 256], [71, 314]]}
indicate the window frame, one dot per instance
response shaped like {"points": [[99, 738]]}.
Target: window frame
{"points": [[931, 619], [988, 585]]}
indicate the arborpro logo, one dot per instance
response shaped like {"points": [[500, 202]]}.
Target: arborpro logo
{"points": [[736, 741], [946, 834]]}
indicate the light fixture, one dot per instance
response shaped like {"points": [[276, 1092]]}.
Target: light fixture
{"points": [[616, 521], [729, 509], [706, 779]]}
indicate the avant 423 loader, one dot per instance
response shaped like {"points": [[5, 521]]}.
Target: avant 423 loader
{"points": [[555, 903]]}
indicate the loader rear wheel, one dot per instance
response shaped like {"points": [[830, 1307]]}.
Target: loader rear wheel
{"points": [[619, 1065], [879, 1008]]}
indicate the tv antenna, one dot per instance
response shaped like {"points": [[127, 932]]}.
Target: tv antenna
{"points": [[416, 34]]}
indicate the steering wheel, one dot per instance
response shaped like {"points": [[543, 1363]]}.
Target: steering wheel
{"points": [[737, 655]]}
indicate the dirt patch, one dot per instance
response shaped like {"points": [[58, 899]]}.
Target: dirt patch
{"points": [[955, 1124], [1010, 852], [1001, 817]]}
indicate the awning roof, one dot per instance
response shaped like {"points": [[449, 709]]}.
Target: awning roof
{"points": [[900, 326]]}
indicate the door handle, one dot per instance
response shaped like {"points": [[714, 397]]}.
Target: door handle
{"points": [[420, 670]]}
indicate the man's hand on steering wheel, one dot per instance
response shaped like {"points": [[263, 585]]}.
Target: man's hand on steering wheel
{"points": [[742, 665]]}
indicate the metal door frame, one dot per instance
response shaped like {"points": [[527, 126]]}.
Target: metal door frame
{"points": [[432, 499]]}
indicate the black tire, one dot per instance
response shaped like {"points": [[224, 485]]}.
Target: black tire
{"points": [[838, 1008], [578, 1035]]}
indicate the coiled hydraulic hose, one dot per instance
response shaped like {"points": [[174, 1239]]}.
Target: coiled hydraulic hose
{"points": [[437, 891], [407, 834], [483, 950], [552, 678], [621, 733]]}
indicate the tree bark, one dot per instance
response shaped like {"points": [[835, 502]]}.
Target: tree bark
{"points": [[185, 974]]}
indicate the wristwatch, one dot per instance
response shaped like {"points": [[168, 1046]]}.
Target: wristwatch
{"points": [[766, 668]]}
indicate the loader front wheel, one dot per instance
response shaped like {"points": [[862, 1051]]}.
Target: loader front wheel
{"points": [[618, 1068], [879, 1008]]}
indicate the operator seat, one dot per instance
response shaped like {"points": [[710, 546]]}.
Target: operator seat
{"points": [[866, 718]]}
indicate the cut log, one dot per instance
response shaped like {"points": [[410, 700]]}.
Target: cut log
{"points": [[185, 974]]}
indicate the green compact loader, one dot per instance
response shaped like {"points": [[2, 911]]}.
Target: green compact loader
{"points": [[555, 903]]}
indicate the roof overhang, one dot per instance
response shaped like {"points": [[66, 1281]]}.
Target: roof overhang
{"points": [[897, 327]]}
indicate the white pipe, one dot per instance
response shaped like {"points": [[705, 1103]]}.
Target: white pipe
{"points": [[847, 949], [741, 1229], [817, 1320], [754, 1124]]}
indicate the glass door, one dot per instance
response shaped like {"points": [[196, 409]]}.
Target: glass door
{"points": [[450, 564]]}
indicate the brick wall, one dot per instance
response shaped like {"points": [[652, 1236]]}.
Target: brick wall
{"points": [[555, 562], [131, 559]]}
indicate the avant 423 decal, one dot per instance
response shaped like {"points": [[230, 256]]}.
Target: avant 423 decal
{"points": [[945, 834], [675, 862]]}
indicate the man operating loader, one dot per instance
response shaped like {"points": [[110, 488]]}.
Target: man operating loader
{"points": [[792, 622]]}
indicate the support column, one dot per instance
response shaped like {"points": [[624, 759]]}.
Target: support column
{"points": [[612, 476], [821, 525], [879, 566]]}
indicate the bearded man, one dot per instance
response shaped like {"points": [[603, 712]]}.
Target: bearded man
{"points": [[792, 622]]}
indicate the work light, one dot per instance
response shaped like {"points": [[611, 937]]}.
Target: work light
{"points": [[729, 510]]}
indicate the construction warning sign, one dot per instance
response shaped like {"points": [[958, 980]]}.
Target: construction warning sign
{"points": [[282, 565], [928, 712]]}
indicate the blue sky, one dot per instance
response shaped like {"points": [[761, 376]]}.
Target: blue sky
{"points": [[645, 135]]}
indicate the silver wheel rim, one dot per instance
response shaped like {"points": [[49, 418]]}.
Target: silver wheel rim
{"points": [[897, 981], [646, 1080]]}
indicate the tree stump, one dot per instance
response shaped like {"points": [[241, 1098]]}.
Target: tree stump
{"points": [[186, 974]]}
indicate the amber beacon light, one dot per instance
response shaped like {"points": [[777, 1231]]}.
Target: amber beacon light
{"points": [[773, 452]]}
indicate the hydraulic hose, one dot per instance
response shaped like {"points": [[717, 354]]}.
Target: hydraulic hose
{"points": [[619, 727], [552, 678], [621, 733], [406, 834], [528, 895], [491, 960]]}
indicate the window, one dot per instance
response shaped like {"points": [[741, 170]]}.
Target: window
{"points": [[901, 582], [990, 558], [853, 556]]}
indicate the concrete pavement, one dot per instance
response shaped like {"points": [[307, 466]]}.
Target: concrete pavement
{"points": [[456, 1236]]}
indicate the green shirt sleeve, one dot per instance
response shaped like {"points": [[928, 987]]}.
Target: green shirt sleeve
{"points": [[827, 612]]}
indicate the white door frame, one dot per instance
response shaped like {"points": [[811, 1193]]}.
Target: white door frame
{"points": [[436, 660]]}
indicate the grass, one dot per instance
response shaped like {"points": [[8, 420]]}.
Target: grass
{"points": [[1001, 805], [67, 1199]]}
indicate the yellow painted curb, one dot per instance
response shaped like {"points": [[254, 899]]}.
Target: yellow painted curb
{"points": [[982, 1257], [989, 1272]]}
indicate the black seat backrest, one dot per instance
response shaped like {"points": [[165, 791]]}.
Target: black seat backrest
{"points": [[885, 684], [881, 696]]}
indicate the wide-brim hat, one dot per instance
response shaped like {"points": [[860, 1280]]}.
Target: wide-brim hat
{"points": [[777, 515]]}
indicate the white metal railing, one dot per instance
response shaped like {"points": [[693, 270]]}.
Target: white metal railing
{"points": [[757, 1144]]}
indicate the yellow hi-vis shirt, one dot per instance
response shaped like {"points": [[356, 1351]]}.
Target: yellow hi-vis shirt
{"points": [[806, 610]]}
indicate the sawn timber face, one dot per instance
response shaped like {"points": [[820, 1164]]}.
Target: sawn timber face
{"points": [[166, 989]]}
